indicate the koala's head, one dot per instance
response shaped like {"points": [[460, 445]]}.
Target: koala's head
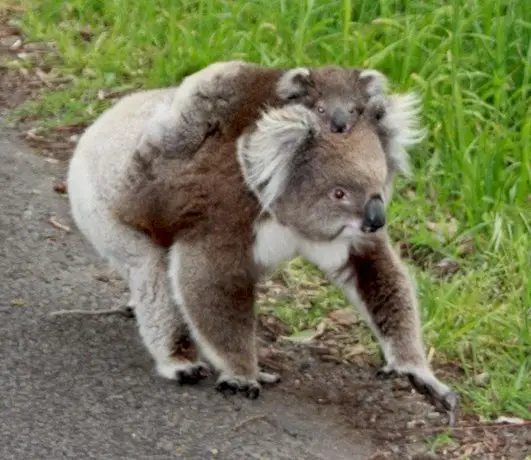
{"points": [[322, 185], [338, 95]]}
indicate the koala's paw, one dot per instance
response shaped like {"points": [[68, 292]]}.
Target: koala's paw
{"points": [[192, 374], [446, 400], [128, 311], [232, 385], [385, 373], [182, 371]]}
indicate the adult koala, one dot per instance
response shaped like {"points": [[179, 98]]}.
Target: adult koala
{"points": [[205, 229]]}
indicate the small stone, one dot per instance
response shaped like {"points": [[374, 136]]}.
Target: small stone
{"points": [[9, 41], [16, 45]]}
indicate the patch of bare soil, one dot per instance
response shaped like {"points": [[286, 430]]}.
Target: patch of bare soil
{"points": [[389, 411], [333, 369]]}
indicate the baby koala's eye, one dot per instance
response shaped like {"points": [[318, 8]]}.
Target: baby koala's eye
{"points": [[351, 108], [359, 110], [320, 109], [339, 193]]}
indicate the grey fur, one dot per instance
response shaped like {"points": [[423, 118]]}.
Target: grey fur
{"points": [[230, 213]]}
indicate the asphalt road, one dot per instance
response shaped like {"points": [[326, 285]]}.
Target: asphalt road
{"points": [[84, 387]]}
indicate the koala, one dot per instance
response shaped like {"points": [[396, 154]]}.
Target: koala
{"points": [[202, 232], [227, 96]]}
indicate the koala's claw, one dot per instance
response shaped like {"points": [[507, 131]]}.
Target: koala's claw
{"points": [[192, 375], [448, 402], [251, 388], [128, 312], [386, 374]]}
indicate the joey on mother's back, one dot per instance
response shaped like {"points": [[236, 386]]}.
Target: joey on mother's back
{"points": [[227, 96], [215, 223]]}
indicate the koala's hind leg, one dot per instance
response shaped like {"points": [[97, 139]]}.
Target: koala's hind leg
{"points": [[218, 305], [161, 326], [144, 266], [376, 281], [199, 103]]}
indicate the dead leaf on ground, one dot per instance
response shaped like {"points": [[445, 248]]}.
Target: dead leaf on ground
{"points": [[306, 336], [59, 186], [343, 316], [53, 220], [444, 230], [446, 267], [510, 420], [466, 246], [355, 350]]}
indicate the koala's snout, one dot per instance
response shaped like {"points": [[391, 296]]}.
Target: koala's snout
{"points": [[374, 215], [339, 121]]}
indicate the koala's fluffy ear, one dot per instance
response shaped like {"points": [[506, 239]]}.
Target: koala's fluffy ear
{"points": [[266, 152], [294, 83], [375, 82], [402, 122]]}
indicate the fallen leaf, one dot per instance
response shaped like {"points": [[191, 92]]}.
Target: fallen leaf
{"points": [[18, 302], [510, 420], [467, 246], [307, 335], [355, 350], [59, 225], [86, 34], [446, 267], [59, 186], [444, 230], [482, 379], [343, 316]]}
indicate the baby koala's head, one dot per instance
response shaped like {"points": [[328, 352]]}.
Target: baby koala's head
{"points": [[338, 95]]}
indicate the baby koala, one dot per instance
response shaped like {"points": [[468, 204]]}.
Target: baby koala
{"points": [[228, 96]]}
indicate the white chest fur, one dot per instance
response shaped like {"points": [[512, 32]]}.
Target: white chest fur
{"points": [[273, 244]]}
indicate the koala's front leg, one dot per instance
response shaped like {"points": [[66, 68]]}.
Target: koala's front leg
{"points": [[216, 296], [377, 282]]}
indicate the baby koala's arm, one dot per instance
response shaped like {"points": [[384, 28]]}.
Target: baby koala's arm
{"points": [[177, 130], [203, 101]]}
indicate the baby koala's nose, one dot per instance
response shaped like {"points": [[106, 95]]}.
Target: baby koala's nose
{"points": [[339, 121], [374, 215]]}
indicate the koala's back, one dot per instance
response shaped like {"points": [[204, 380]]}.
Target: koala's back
{"points": [[105, 149]]}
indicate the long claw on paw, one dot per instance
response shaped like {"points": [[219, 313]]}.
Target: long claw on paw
{"points": [[384, 374], [448, 402], [251, 389]]}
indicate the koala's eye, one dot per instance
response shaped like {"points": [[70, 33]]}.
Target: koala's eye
{"points": [[339, 193], [320, 109], [359, 110]]}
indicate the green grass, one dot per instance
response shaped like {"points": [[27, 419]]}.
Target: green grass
{"points": [[470, 61]]}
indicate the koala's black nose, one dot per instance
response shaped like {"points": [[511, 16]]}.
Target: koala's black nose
{"points": [[374, 216], [339, 121]]}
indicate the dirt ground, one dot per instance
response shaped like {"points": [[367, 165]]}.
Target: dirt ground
{"points": [[396, 421]]}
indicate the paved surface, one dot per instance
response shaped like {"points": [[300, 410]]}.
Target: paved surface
{"points": [[84, 387]]}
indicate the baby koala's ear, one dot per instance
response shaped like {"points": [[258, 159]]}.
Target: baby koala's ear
{"points": [[375, 82], [294, 83], [266, 152]]}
